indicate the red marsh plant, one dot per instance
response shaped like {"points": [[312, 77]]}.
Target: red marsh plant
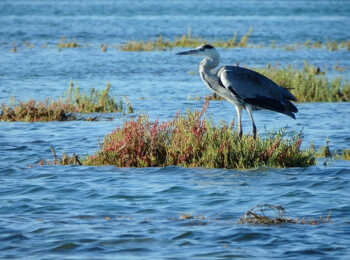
{"points": [[191, 141]]}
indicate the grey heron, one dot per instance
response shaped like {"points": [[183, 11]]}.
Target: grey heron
{"points": [[244, 88]]}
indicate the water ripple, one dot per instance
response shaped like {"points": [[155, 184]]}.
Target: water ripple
{"points": [[70, 212]]}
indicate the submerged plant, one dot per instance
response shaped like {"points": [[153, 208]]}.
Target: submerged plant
{"points": [[268, 214], [190, 141]]}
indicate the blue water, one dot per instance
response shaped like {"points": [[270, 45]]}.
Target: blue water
{"points": [[71, 212]]}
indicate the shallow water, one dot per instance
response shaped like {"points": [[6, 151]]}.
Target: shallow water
{"points": [[70, 212]]}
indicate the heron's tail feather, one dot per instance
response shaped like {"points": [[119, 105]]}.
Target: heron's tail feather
{"points": [[291, 114], [290, 109], [283, 106]]}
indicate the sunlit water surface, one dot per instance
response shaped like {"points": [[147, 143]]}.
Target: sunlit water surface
{"points": [[71, 212]]}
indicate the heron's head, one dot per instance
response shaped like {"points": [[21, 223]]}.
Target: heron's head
{"points": [[205, 50]]}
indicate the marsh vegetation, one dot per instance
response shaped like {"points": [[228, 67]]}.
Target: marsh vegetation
{"points": [[309, 84], [187, 40], [64, 109], [161, 43], [191, 141]]}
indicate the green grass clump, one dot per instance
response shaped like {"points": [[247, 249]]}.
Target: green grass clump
{"points": [[190, 141], [309, 84], [94, 102], [70, 44], [345, 154], [61, 110], [328, 45], [33, 111], [65, 160]]}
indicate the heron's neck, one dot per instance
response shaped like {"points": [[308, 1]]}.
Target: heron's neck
{"points": [[207, 67], [208, 64], [207, 72]]}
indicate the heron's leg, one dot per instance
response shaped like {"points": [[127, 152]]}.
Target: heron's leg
{"points": [[251, 119], [239, 117]]}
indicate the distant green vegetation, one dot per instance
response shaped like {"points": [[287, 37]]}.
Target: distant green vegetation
{"points": [[70, 44], [329, 45], [187, 40], [190, 141], [61, 110], [308, 85]]}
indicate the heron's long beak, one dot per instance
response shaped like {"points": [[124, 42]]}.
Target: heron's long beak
{"points": [[190, 52]]}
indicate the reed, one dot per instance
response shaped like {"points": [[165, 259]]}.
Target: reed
{"points": [[97, 101], [190, 141]]}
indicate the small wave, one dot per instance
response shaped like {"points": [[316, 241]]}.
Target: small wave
{"points": [[65, 247]]}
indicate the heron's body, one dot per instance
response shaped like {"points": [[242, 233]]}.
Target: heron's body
{"points": [[242, 87]]}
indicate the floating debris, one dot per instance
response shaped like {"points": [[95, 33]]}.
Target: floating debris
{"points": [[257, 216]]}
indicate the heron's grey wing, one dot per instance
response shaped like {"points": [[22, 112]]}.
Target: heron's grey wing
{"points": [[257, 90]]}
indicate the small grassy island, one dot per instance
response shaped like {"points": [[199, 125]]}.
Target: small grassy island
{"points": [[62, 109], [191, 141]]}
